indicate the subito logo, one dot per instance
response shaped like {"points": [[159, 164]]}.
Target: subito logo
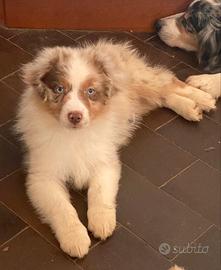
{"points": [[164, 248]]}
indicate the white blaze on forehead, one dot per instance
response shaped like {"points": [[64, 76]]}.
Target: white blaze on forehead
{"points": [[77, 73]]}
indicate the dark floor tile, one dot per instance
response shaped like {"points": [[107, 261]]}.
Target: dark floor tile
{"points": [[210, 260], [19, 203], [216, 115], [155, 158], [75, 34], [182, 55], [29, 251], [14, 81], [8, 132], [183, 71], [34, 40], [115, 36], [143, 35], [10, 224], [201, 139], [155, 216], [10, 158], [158, 57], [123, 251], [158, 117], [9, 32], [153, 55], [9, 101], [199, 188], [11, 57]]}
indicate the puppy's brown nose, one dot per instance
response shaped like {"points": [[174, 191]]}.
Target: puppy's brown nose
{"points": [[75, 117]]}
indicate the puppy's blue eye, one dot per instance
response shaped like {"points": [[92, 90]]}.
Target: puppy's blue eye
{"points": [[59, 89], [91, 91]]}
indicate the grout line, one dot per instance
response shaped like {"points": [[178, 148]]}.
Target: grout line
{"points": [[8, 141], [30, 54], [143, 241], [174, 56], [59, 31], [148, 39], [167, 122], [14, 236], [188, 65], [64, 34], [10, 74], [10, 174], [136, 37], [179, 147], [38, 232], [30, 225], [195, 239], [210, 118], [5, 123], [168, 194], [11, 88], [210, 166], [18, 34], [180, 172], [195, 69]]}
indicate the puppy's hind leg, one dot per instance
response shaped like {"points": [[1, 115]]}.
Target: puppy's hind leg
{"points": [[160, 88], [186, 100], [183, 106]]}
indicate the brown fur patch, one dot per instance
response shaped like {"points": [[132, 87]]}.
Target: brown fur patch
{"points": [[97, 102], [54, 78]]}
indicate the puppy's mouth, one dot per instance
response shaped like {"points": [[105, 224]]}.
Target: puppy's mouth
{"points": [[77, 126]]}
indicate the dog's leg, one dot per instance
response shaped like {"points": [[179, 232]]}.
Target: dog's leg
{"points": [[210, 83], [51, 200], [188, 101], [165, 90], [102, 193]]}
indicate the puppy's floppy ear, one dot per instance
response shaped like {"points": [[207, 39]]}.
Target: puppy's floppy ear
{"points": [[40, 73], [102, 65], [209, 53]]}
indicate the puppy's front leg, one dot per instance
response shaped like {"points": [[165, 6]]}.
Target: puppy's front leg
{"points": [[102, 200], [51, 200]]}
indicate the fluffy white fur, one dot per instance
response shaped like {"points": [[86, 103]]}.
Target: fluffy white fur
{"points": [[88, 156]]}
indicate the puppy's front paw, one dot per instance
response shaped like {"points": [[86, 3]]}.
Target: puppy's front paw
{"points": [[210, 83], [75, 242], [102, 221]]}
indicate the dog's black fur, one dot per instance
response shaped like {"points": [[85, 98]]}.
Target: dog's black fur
{"points": [[202, 19]]}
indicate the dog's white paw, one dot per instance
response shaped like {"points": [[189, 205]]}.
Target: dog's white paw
{"points": [[102, 221], [210, 83], [193, 113], [75, 242], [204, 100], [175, 267]]}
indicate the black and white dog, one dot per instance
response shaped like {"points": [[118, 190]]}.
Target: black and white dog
{"points": [[198, 29]]}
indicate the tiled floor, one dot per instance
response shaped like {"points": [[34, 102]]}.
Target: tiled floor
{"points": [[170, 186]]}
